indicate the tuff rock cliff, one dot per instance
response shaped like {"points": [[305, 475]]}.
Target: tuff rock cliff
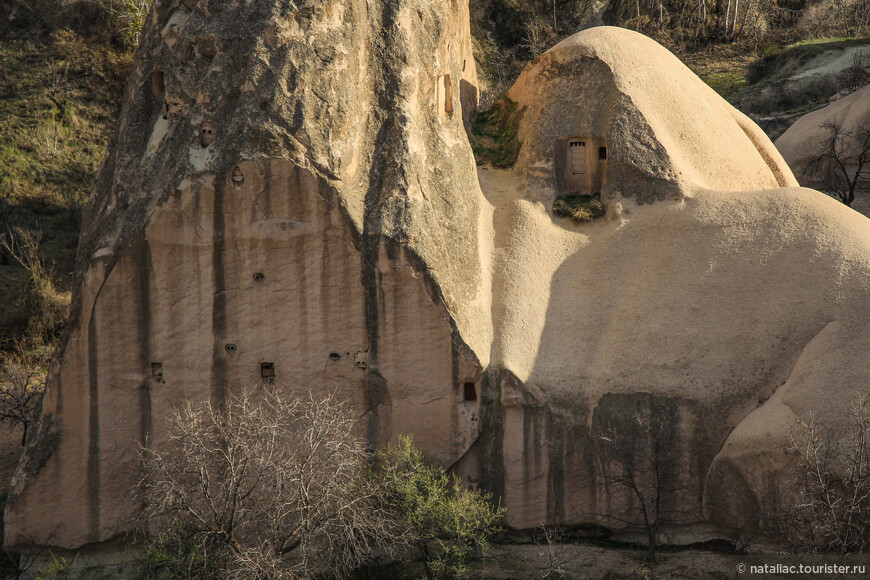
{"points": [[291, 196]]}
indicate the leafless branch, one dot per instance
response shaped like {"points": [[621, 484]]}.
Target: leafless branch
{"points": [[270, 477], [22, 382], [839, 160], [829, 507]]}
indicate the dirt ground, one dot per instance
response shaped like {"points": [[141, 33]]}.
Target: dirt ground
{"points": [[599, 563]]}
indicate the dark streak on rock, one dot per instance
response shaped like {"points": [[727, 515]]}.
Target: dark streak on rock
{"points": [[491, 441], [143, 290], [219, 305], [94, 417]]}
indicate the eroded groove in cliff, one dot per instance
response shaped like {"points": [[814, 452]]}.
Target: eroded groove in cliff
{"points": [[219, 306], [93, 477], [143, 292]]}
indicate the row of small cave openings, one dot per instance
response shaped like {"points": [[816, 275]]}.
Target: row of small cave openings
{"points": [[267, 372], [207, 128]]}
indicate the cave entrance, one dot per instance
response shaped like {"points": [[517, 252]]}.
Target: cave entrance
{"points": [[580, 165]]}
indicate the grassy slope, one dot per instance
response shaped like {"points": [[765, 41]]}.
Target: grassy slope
{"points": [[59, 98], [725, 68], [774, 92]]}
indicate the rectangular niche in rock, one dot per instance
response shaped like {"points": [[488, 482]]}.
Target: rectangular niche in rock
{"points": [[267, 371], [444, 94], [580, 163]]}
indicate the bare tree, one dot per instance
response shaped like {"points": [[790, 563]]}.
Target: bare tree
{"points": [[280, 485], [636, 452], [539, 37], [840, 159], [829, 509], [22, 382], [555, 558]]}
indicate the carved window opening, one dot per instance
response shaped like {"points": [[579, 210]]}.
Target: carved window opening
{"points": [[334, 356], [231, 348], [470, 392], [267, 371], [238, 178], [157, 370], [258, 276], [577, 157]]}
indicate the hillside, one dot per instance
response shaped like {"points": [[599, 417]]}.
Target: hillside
{"points": [[59, 99], [794, 80]]}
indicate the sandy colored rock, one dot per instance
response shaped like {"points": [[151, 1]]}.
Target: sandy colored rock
{"points": [[806, 139], [298, 192], [283, 192], [654, 115]]}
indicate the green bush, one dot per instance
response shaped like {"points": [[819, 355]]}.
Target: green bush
{"points": [[580, 208], [181, 552], [494, 133], [450, 524]]}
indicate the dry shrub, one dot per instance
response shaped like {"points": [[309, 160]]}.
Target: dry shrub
{"points": [[829, 509], [834, 18], [126, 19], [854, 77], [22, 382], [274, 487]]}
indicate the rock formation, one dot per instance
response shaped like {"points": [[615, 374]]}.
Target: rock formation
{"points": [[290, 192], [291, 197], [808, 138]]}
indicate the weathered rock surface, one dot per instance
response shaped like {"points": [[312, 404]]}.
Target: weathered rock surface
{"points": [[808, 138], [299, 190], [290, 184], [701, 303]]}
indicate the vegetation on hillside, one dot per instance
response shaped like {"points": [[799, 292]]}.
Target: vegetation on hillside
{"points": [[60, 91], [719, 39], [494, 137]]}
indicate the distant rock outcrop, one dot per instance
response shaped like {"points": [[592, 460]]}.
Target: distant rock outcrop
{"points": [[802, 76], [291, 197], [809, 137]]}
